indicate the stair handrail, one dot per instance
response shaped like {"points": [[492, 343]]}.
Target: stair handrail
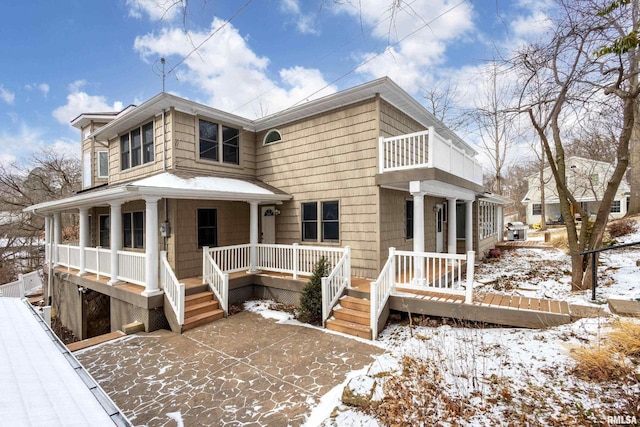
{"points": [[173, 289], [335, 283], [217, 280], [381, 289]]}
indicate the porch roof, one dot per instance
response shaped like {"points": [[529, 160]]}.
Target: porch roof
{"points": [[171, 185]]}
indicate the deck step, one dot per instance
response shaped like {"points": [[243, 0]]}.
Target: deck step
{"points": [[356, 303], [198, 298], [202, 319], [79, 345], [352, 316], [350, 328], [203, 307]]}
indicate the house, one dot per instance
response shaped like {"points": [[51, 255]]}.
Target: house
{"points": [[586, 179], [176, 192]]}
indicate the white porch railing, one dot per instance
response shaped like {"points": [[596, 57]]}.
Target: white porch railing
{"points": [[22, 287], [380, 290], [216, 278], [295, 259], [173, 289], [334, 285], [427, 149], [98, 261], [422, 271]]}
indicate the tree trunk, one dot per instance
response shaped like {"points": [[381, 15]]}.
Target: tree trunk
{"points": [[634, 161]]}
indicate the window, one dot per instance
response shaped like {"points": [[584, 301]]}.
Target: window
{"points": [[595, 179], [86, 169], [326, 225], [104, 229], [408, 219], [488, 220], [207, 227], [536, 209], [615, 207], [310, 222], [230, 145], [272, 136], [210, 145], [133, 229], [103, 164], [208, 140], [147, 143], [137, 147], [125, 160], [330, 221], [461, 221]]}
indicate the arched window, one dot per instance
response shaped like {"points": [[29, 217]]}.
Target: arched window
{"points": [[272, 136]]}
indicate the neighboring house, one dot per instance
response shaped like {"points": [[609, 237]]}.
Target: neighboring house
{"points": [[367, 168], [586, 179]]}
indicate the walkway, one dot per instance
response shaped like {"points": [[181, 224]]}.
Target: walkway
{"points": [[245, 370]]}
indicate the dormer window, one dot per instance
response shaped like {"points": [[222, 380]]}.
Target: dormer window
{"points": [[212, 147], [137, 147], [272, 136]]}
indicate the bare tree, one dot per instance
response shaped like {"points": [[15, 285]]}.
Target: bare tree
{"points": [[567, 77], [496, 122], [442, 100], [51, 175]]}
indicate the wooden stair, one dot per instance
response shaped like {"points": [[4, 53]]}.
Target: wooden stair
{"points": [[199, 309], [352, 317]]}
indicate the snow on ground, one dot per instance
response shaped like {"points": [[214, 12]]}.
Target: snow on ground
{"points": [[454, 374]]}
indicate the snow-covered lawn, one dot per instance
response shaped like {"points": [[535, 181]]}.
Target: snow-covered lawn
{"points": [[445, 373]]}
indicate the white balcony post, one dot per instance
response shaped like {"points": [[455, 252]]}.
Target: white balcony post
{"points": [[381, 151], [452, 225], [84, 239], [468, 226], [47, 240], [418, 234], [296, 254], [115, 238], [57, 236], [151, 247], [253, 238]]}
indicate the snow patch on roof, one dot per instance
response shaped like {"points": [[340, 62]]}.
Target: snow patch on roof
{"points": [[202, 183]]}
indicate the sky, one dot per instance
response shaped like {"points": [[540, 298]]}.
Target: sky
{"points": [[248, 57]]}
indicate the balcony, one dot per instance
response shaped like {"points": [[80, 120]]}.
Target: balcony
{"points": [[428, 149]]}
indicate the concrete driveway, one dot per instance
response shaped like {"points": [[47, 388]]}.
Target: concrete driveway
{"points": [[243, 370]]}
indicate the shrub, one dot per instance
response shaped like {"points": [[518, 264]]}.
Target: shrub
{"points": [[600, 364], [311, 299], [622, 227]]}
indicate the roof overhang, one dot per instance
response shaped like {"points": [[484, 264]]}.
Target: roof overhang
{"points": [[169, 186], [496, 198]]}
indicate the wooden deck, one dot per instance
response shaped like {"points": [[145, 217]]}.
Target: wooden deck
{"points": [[535, 244], [79, 345]]}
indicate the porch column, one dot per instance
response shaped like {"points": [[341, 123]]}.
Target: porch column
{"points": [[84, 238], [468, 232], [57, 236], [253, 237], [151, 247], [451, 225], [115, 238], [47, 240], [418, 233], [500, 223]]}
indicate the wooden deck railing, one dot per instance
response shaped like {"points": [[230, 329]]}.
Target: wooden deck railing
{"points": [[216, 278], [131, 264], [25, 284], [334, 285], [380, 290], [173, 289], [427, 149]]}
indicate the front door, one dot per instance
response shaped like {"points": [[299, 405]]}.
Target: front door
{"points": [[439, 220], [268, 224]]}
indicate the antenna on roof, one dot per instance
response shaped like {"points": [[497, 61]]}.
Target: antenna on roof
{"points": [[163, 73]]}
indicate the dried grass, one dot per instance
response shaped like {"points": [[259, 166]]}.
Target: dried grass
{"points": [[625, 338], [600, 364]]}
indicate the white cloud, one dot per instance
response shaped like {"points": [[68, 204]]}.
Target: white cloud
{"points": [[228, 73], [416, 35], [81, 102], [304, 22], [42, 87], [28, 140], [7, 96], [155, 9]]}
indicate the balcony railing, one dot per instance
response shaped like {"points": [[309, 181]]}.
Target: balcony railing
{"points": [[427, 149]]}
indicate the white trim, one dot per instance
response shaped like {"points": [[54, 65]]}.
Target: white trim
{"points": [[98, 174], [264, 140]]}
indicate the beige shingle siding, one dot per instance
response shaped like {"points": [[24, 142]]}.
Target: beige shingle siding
{"points": [[332, 156], [393, 122], [186, 148], [233, 229]]}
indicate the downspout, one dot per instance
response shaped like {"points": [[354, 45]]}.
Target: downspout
{"points": [[164, 143]]}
